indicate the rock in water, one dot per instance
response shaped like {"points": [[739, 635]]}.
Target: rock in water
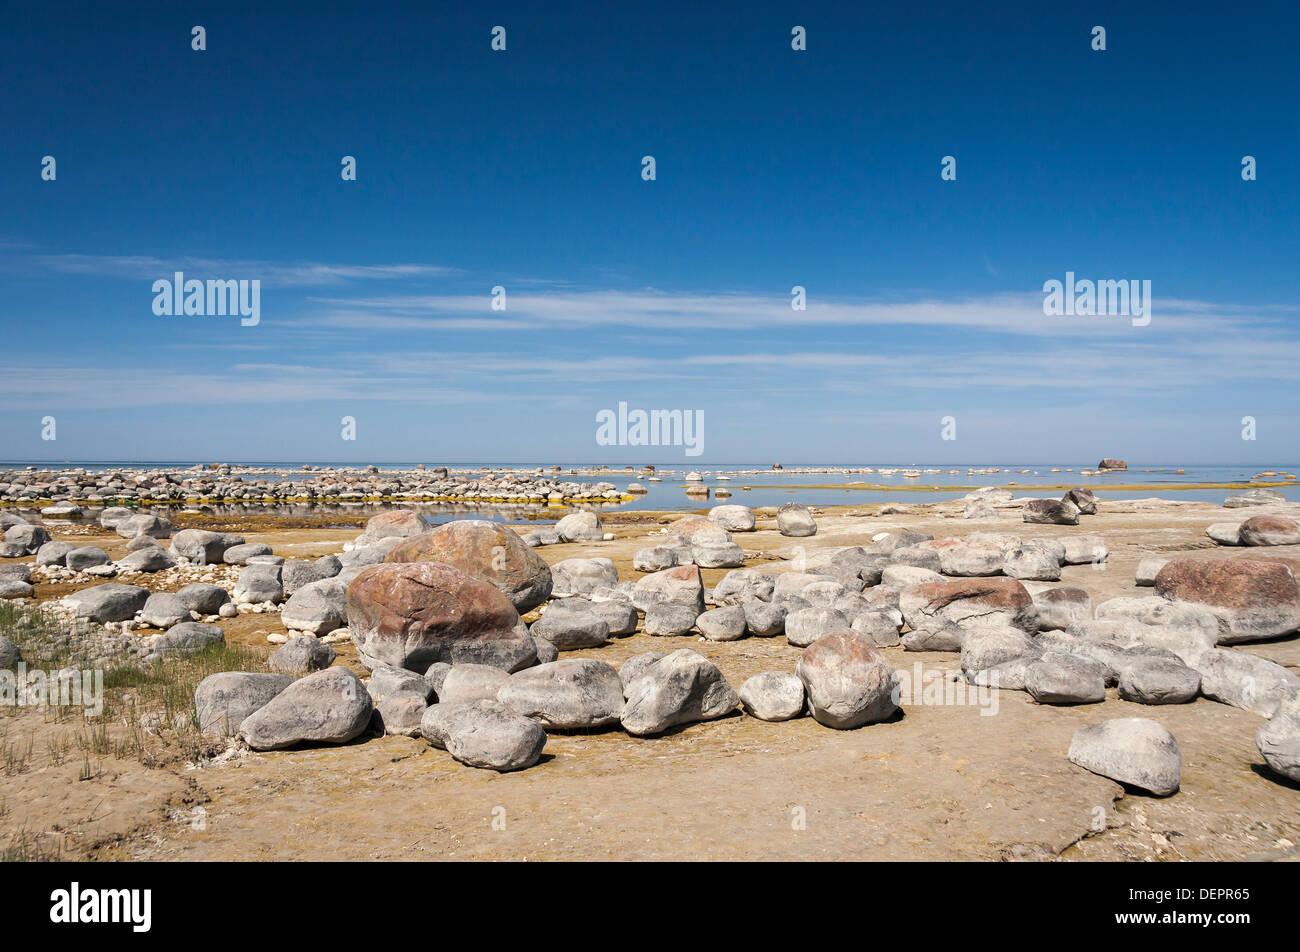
{"points": [[573, 694], [1131, 750], [411, 614], [773, 696], [488, 551], [681, 688], [1252, 598], [848, 681], [1279, 740], [794, 520], [223, 701], [1113, 464], [484, 734], [328, 707]]}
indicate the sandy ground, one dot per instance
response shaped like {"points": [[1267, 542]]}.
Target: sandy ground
{"points": [[941, 781]]}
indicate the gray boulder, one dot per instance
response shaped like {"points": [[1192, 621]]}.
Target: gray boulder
{"points": [[1279, 740], [163, 610], [1133, 751], [327, 707], [574, 694], [571, 623], [794, 520], [223, 701], [53, 553], [582, 576], [665, 618], [202, 597], [763, 619], [258, 583], [186, 638], [301, 655], [582, 526], [1159, 681], [722, 624], [681, 688], [466, 683], [317, 607], [84, 557], [484, 734], [112, 601], [773, 696]]}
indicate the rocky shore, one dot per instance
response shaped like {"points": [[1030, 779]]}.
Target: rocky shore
{"points": [[474, 643]]}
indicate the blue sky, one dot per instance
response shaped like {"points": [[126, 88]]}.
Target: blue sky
{"points": [[775, 168]]}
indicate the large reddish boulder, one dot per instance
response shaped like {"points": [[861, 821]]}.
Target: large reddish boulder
{"points": [[1252, 598], [411, 614], [1269, 530], [488, 551], [968, 603]]}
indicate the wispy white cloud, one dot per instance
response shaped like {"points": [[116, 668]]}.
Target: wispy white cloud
{"points": [[271, 273]]}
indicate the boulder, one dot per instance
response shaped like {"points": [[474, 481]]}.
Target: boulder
{"points": [[655, 558], [9, 654], [967, 559], [1254, 497], [223, 701], [1159, 681], [317, 607], [1084, 550], [85, 557], [53, 553], [241, 553], [1114, 464], [1279, 740], [386, 680], [26, 538], [1083, 499], [570, 623], [1060, 678], [202, 597], [399, 524], [573, 694], [466, 683], [990, 645], [327, 707], [112, 601], [301, 655], [299, 573], [636, 666], [764, 619], [969, 603], [807, 625], [1252, 598], [402, 714], [583, 526], [722, 624], [146, 559], [1245, 680], [848, 681], [795, 521], [1269, 530], [582, 576], [1061, 607], [667, 619], [718, 555], [773, 696], [1134, 751], [488, 551], [410, 614], [258, 583], [484, 734], [1225, 533], [199, 546], [682, 585], [681, 688], [1032, 561], [618, 613], [1147, 570], [733, 518], [186, 638], [1053, 512], [163, 610], [143, 524]]}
